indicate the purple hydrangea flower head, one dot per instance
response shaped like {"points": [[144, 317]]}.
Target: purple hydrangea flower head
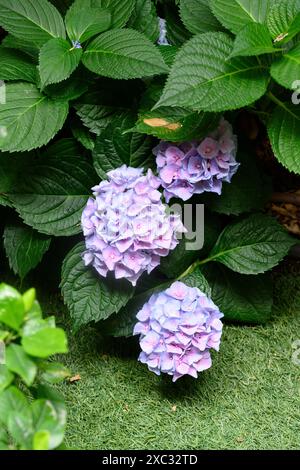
{"points": [[195, 167], [126, 226], [177, 329]]}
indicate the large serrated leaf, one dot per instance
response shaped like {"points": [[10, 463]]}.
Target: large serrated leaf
{"points": [[145, 19], [53, 189], [24, 248], [253, 39], [30, 119], [281, 17], [90, 297], [203, 78], [243, 299], [286, 70], [120, 10], [252, 245], [123, 54], [284, 134], [15, 65], [197, 16], [113, 148], [83, 24], [58, 60], [35, 21], [234, 14]]}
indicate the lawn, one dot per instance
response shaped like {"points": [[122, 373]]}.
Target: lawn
{"points": [[250, 399]]}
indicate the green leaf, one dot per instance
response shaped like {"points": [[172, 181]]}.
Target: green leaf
{"points": [[41, 440], [123, 54], [84, 24], [248, 190], [122, 323], [11, 400], [29, 299], [113, 148], [284, 134], [20, 363], [20, 427], [89, 297], [54, 372], [35, 21], [145, 19], [54, 188], [120, 10], [197, 16], [281, 17], [11, 307], [15, 65], [168, 53], [69, 89], [96, 117], [46, 417], [30, 119], [175, 124], [197, 279], [234, 14], [252, 245], [29, 48], [6, 377], [202, 77], [58, 60], [24, 248], [243, 299], [286, 70], [82, 134], [253, 39], [45, 342]]}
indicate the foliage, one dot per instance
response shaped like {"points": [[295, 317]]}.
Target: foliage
{"points": [[88, 89], [32, 414]]}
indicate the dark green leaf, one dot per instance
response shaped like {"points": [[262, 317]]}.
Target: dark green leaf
{"points": [[35, 21], [89, 297], [120, 10], [252, 245], [197, 16], [113, 148], [248, 190], [84, 24], [145, 19], [253, 39], [54, 189], [29, 118], [123, 54], [24, 248], [245, 299], [202, 77], [15, 65], [58, 60]]}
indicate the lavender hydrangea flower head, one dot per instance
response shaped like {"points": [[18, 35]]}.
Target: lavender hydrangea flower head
{"points": [[195, 167], [126, 226], [177, 329]]}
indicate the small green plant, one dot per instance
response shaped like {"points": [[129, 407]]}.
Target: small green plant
{"points": [[32, 414]]}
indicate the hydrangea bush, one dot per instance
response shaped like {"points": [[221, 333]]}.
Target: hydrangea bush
{"points": [[113, 112]]}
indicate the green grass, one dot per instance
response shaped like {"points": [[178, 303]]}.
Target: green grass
{"points": [[249, 399]]}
